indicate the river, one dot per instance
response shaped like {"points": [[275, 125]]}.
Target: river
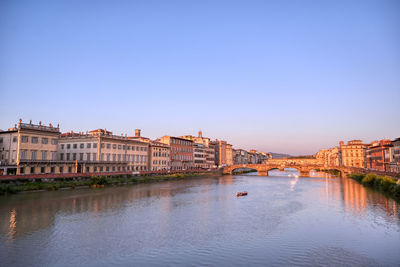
{"points": [[284, 220]]}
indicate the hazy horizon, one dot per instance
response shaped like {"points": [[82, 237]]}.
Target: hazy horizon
{"points": [[277, 76]]}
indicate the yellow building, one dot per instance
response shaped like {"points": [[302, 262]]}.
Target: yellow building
{"points": [[28, 148], [353, 154]]}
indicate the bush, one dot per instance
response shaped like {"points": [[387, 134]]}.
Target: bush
{"points": [[385, 182], [369, 179], [357, 176]]}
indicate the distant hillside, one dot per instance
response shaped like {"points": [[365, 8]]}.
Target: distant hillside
{"points": [[279, 155]]}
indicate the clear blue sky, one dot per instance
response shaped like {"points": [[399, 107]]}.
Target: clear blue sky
{"points": [[282, 76]]}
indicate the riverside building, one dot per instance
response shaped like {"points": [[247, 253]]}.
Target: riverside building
{"points": [[159, 156], [209, 149], [353, 154], [378, 155], [101, 151], [181, 154], [28, 148]]}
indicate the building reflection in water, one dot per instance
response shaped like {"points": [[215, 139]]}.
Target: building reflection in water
{"points": [[357, 199], [26, 213]]}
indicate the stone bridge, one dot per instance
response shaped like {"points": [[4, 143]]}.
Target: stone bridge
{"points": [[304, 166]]}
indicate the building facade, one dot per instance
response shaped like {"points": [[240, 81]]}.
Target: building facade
{"points": [[378, 155], [28, 148], [394, 165], [199, 156], [181, 154], [101, 151], [353, 154], [240, 156], [159, 157]]}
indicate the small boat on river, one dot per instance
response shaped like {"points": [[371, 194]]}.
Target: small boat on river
{"points": [[240, 194]]}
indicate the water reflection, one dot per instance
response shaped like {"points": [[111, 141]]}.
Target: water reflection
{"points": [[206, 208]]}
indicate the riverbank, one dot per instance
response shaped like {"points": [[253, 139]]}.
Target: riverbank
{"points": [[385, 184], [93, 182], [242, 172]]}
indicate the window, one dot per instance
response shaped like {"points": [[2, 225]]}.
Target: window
{"points": [[53, 155], [101, 168], [52, 170], [45, 141], [73, 156], [32, 169], [81, 156], [22, 170], [24, 139], [23, 154], [94, 145], [69, 169], [54, 141], [88, 156], [114, 146], [61, 156], [33, 155], [35, 140], [107, 169], [68, 146], [102, 145], [87, 169], [88, 145], [15, 139], [82, 146], [108, 146], [42, 169], [61, 169], [119, 147], [75, 146], [62, 146], [94, 157], [44, 155]]}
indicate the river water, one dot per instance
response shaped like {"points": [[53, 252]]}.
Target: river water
{"points": [[283, 221]]}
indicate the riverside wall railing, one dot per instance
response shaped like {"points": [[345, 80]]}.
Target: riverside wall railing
{"points": [[93, 174]]}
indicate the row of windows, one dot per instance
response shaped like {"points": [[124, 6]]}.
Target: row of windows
{"points": [[181, 142], [82, 145], [35, 140], [104, 145], [160, 162], [181, 149], [103, 157], [181, 157], [95, 169], [160, 154], [34, 155]]}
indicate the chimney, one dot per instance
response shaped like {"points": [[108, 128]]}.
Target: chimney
{"points": [[137, 132], [341, 143], [200, 134]]}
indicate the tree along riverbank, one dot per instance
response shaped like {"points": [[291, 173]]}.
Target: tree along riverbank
{"points": [[385, 184], [244, 171], [93, 182]]}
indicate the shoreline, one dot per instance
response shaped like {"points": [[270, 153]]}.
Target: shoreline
{"points": [[387, 185], [94, 182]]}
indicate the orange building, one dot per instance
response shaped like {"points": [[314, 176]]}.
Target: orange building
{"points": [[375, 153]]}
